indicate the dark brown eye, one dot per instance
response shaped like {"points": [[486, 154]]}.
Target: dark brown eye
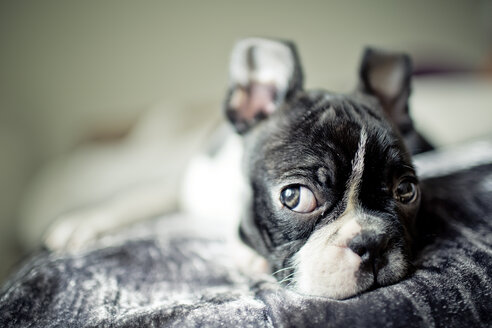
{"points": [[298, 198], [406, 192]]}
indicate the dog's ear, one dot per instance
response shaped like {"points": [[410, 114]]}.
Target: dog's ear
{"points": [[387, 76], [263, 74]]}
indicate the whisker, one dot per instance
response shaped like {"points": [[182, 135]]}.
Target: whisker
{"points": [[290, 283], [288, 278], [288, 268], [285, 280], [289, 275]]}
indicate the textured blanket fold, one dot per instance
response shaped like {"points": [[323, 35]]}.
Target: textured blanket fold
{"points": [[155, 276]]}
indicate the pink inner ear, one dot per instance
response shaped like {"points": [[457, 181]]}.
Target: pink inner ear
{"points": [[388, 78], [256, 99]]}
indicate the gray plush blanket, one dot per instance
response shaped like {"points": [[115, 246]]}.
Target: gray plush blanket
{"points": [[155, 275]]}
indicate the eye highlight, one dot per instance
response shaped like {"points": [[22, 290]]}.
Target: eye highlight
{"points": [[406, 192], [298, 198]]}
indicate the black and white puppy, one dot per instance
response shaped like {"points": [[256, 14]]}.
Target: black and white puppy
{"points": [[333, 194]]}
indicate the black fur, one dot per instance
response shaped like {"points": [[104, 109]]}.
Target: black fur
{"points": [[293, 143]]}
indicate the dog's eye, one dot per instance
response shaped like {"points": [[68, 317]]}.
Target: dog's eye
{"points": [[406, 192], [298, 198]]}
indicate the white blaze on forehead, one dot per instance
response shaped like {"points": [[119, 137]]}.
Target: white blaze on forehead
{"points": [[263, 61], [357, 171]]}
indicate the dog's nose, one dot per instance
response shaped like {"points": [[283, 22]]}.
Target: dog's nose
{"points": [[368, 245]]}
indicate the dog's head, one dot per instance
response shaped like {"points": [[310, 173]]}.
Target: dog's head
{"points": [[333, 190]]}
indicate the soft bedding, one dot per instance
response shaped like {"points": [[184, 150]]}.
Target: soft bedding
{"points": [[176, 272]]}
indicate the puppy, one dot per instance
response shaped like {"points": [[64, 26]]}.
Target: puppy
{"points": [[332, 194]]}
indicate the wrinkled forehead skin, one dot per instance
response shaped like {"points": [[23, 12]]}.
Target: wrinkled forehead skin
{"points": [[315, 138]]}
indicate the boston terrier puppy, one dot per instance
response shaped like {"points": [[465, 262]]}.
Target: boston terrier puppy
{"points": [[332, 194]]}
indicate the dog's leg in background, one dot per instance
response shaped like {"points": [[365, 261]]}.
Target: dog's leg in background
{"points": [[78, 228], [109, 186]]}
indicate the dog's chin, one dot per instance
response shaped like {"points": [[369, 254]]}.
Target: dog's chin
{"points": [[340, 273]]}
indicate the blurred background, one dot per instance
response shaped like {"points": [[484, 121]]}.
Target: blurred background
{"points": [[96, 96]]}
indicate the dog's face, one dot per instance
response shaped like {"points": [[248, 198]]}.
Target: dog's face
{"points": [[333, 190]]}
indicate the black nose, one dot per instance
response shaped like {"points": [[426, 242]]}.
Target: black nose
{"points": [[368, 245]]}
